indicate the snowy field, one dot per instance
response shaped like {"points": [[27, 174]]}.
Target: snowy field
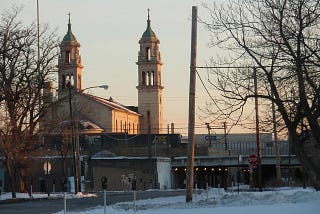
{"points": [[279, 200]]}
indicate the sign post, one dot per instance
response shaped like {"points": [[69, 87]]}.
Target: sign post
{"points": [[253, 160]]}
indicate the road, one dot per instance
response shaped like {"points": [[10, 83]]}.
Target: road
{"points": [[55, 205]]}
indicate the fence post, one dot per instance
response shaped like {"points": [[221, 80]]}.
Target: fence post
{"points": [[104, 201]]}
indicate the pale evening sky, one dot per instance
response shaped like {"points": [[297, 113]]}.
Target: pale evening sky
{"points": [[109, 31]]}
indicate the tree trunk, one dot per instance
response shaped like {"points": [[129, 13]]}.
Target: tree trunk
{"points": [[11, 177], [307, 151], [22, 181]]}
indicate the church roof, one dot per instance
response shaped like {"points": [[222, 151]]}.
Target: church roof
{"points": [[111, 104], [148, 32], [69, 37]]}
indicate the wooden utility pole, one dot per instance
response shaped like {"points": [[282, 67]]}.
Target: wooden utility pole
{"points": [[192, 93], [275, 136]]}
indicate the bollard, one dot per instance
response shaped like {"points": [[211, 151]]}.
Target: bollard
{"points": [[104, 201], [134, 201], [31, 191], [207, 190], [65, 203]]}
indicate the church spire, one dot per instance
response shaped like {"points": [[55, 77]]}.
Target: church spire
{"points": [[69, 23], [148, 32], [69, 37]]}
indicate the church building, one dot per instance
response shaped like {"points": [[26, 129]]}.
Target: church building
{"points": [[96, 114]]}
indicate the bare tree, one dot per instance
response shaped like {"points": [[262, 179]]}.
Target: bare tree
{"points": [[280, 39], [22, 78]]}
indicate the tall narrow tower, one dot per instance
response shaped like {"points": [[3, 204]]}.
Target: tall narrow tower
{"points": [[69, 63], [149, 82]]}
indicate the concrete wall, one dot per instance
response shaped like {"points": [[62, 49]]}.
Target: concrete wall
{"points": [[164, 173], [121, 171]]}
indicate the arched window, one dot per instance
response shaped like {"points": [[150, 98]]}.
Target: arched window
{"points": [[67, 57], [71, 80], [151, 77], [148, 52], [144, 78]]}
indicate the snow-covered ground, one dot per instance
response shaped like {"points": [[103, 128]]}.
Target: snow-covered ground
{"points": [[279, 200]]}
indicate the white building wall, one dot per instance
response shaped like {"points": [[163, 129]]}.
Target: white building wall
{"points": [[164, 173]]}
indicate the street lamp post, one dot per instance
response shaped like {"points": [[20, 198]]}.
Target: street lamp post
{"points": [[74, 138]]}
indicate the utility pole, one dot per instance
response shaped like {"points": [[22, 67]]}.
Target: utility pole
{"points": [[225, 135], [257, 129], [192, 93], [209, 133], [275, 135]]}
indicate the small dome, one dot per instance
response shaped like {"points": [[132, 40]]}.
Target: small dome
{"points": [[149, 32], [69, 37]]}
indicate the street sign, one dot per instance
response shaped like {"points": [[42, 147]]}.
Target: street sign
{"points": [[253, 160], [210, 138]]}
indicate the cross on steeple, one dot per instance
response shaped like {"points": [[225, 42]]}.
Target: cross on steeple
{"points": [[148, 14], [69, 14]]}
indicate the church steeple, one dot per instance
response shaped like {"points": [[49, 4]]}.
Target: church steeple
{"points": [[148, 32], [69, 37], [69, 63], [149, 82]]}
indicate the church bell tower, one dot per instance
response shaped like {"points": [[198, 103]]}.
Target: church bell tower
{"points": [[149, 83], [69, 64]]}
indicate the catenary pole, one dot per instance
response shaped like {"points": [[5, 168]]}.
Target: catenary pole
{"points": [[192, 89]]}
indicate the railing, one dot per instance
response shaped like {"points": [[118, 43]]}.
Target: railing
{"points": [[247, 148]]}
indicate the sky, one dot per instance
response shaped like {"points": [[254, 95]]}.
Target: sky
{"points": [[109, 31]]}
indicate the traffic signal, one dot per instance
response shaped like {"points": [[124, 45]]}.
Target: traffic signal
{"points": [[104, 182]]}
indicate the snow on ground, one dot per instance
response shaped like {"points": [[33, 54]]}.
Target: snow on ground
{"points": [[8, 195], [278, 200]]}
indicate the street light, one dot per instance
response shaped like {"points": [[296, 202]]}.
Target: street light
{"points": [[105, 87], [74, 138]]}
